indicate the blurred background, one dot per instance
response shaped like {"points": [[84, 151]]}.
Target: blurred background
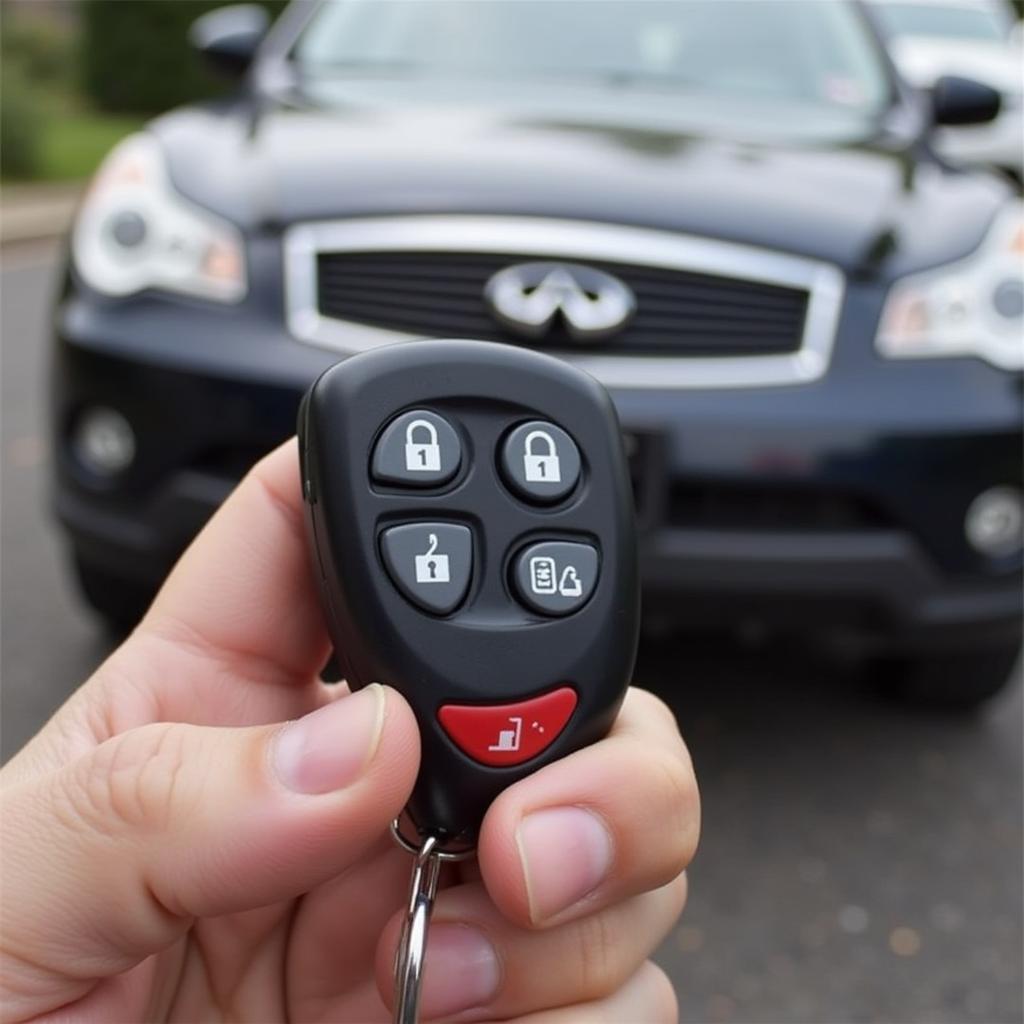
{"points": [[820, 388]]}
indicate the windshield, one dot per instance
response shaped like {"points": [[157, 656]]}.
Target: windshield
{"points": [[753, 52], [943, 21]]}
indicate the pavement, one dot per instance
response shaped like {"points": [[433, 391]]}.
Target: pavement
{"points": [[858, 863], [33, 212]]}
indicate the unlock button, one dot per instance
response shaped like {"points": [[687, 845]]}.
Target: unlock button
{"points": [[430, 563]]}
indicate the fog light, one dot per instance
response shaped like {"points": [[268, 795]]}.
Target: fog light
{"points": [[128, 229], [994, 521], [103, 441]]}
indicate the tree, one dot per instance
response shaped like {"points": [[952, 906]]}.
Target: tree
{"points": [[136, 57]]}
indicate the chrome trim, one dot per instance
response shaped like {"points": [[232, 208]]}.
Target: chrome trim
{"points": [[578, 240]]}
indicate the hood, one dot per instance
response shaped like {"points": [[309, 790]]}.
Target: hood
{"points": [[814, 190], [922, 60]]}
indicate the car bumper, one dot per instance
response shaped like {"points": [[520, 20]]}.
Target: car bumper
{"points": [[833, 505]]}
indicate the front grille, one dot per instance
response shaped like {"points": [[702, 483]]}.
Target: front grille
{"points": [[772, 507], [440, 294]]}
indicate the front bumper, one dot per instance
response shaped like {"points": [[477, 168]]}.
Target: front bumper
{"points": [[833, 505]]}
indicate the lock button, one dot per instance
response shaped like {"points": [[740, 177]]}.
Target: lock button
{"points": [[540, 462], [417, 449]]}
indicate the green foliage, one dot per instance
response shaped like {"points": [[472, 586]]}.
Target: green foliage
{"points": [[36, 56], [136, 57], [46, 132], [132, 55], [74, 143], [20, 116], [43, 48]]}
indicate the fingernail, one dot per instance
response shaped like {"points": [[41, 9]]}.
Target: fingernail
{"points": [[461, 971], [566, 854], [329, 748]]}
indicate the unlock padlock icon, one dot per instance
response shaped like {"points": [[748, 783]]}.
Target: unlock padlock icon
{"points": [[422, 456], [540, 458], [432, 567]]}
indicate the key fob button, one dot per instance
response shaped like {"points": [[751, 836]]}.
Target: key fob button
{"points": [[430, 563], [508, 734], [540, 462], [556, 577], [417, 449]]}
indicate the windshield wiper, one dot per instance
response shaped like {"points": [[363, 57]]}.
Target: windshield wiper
{"points": [[626, 78], [336, 68], [614, 78]]}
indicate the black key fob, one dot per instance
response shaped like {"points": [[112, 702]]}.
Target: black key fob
{"points": [[471, 522]]}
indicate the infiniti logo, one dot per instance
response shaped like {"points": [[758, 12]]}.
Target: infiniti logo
{"points": [[527, 298]]}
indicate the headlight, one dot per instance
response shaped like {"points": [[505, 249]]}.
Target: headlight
{"points": [[134, 231], [974, 307]]}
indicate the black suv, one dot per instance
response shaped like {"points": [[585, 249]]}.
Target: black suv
{"points": [[729, 214]]}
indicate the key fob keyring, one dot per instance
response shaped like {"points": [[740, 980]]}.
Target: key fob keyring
{"points": [[471, 525]]}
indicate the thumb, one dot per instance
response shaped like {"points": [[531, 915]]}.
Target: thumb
{"points": [[109, 859]]}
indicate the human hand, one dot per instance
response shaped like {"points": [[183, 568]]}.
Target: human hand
{"points": [[172, 851]]}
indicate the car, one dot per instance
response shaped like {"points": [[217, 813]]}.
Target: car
{"points": [[729, 214], [977, 38]]}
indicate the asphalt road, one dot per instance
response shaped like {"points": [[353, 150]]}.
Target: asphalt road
{"points": [[858, 863]]}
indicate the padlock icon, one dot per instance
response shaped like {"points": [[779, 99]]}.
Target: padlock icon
{"points": [[422, 457], [543, 468], [570, 585], [432, 567]]}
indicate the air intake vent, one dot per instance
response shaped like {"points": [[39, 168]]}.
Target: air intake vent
{"points": [[681, 312]]}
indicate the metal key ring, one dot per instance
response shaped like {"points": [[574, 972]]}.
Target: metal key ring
{"points": [[449, 856], [412, 944]]}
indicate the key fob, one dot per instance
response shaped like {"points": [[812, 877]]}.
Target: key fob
{"points": [[471, 524]]}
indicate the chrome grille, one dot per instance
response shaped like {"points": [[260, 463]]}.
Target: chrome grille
{"points": [[710, 313], [441, 294]]}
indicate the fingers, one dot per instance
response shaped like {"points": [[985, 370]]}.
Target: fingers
{"points": [[647, 997], [244, 591], [481, 966], [608, 822], [109, 859]]}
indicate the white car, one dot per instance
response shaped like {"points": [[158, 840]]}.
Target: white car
{"points": [[976, 39]]}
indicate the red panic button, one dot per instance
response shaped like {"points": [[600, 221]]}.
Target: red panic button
{"points": [[506, 734]]}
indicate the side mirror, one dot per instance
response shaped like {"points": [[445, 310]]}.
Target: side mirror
{"points": [[964, 101], [228, 37]]}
